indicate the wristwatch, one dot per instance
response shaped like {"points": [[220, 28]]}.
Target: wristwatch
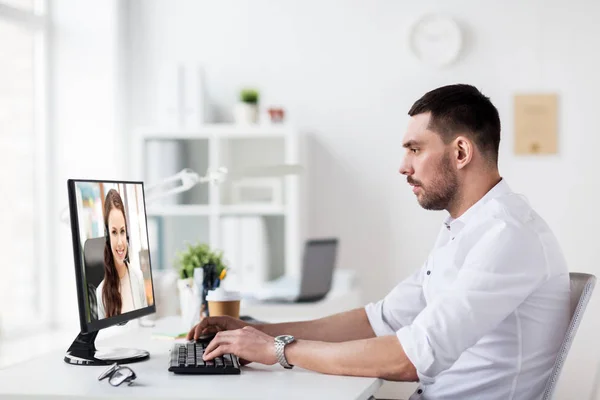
{"points": [[280, 342]]}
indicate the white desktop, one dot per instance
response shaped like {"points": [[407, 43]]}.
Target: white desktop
{"points": [[50, 377]]}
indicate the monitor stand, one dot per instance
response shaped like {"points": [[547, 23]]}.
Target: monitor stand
{"points": [[83, 352]]}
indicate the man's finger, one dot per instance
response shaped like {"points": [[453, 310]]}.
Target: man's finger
{"points": [[219, 351], [221, 338], [208, 325], [193, 333], [211, 329], [199, 328]]}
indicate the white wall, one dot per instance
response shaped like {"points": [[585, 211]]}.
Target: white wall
{"points": [[85, 105], [342, 70]]}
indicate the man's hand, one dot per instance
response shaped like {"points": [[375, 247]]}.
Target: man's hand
{"points": [[248, 343], [215, 324]]}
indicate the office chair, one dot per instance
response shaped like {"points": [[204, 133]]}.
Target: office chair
{"points": [[582, 286], [93, 261]]}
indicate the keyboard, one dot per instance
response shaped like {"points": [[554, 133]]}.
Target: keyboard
{"points": [[186, 358]]}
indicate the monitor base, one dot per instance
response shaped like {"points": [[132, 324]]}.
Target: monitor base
{"points": [[83, 352]]}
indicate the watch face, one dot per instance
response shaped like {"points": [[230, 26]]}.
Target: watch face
{"points": [[285, 338]]}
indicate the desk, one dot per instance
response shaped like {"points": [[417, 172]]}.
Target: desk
{"points": [[335, 302], [50, 377]]}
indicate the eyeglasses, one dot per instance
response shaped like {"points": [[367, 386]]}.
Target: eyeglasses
{"points": [[118, 374]]}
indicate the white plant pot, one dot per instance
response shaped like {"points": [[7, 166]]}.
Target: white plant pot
{"points": [[189, 303], [245, 113]]}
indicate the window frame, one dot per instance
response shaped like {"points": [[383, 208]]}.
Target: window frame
{"points": [[35, 21]]}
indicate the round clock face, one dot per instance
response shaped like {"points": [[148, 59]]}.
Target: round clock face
{"points": [[436, 40]]}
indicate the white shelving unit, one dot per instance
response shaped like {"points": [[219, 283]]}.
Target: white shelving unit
{"points": [[195, 215]]}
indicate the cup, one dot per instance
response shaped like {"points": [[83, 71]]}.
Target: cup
{"points": [[221, 302]]}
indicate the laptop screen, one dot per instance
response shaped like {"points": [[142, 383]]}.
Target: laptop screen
{"points": [[317, 268]]}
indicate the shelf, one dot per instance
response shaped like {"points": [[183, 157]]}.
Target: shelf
{"points": [[251, 209], [179, 210], [204, 210], [216, 131]]}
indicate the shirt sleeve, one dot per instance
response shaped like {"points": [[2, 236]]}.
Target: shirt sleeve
{"points": [[504, 266], [399, 307]]}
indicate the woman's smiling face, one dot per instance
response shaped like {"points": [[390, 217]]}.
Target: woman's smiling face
{"points": [[118, 235]]}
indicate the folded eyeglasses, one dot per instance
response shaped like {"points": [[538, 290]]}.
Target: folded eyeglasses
{"points": [[117, 374]]}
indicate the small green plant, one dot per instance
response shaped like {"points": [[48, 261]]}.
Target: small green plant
{"points": [[198, 256], [249, 96]]}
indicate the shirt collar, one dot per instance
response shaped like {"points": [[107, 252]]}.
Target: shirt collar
{"points": [[456, 225]]}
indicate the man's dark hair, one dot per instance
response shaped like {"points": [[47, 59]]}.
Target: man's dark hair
{"points": [[457, 109]]}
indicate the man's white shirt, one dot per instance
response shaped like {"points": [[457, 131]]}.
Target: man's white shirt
{"points": [[486, 314]]}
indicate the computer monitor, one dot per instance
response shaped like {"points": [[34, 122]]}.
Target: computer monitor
{"points": [[112, 264]]}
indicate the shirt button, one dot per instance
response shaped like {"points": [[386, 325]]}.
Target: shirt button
{"points": [[419, 391], [428, 272]]}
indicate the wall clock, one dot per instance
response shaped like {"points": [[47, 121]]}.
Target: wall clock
{"points": [[435, 39]]}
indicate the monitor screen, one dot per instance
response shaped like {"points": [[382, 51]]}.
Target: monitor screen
{"points": [[111, 251]]}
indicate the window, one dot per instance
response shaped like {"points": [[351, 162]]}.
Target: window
{"points": [[23, 166], [25, 5]]}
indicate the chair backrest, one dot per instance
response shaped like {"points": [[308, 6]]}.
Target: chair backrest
{"points": [[582, 286], [93, 261]]}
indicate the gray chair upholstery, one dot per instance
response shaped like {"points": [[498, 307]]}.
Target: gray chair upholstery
{"points": [[93, 261], [582, 286]]}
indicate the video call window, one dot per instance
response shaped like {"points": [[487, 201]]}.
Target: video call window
{"points": [[114, 248]]}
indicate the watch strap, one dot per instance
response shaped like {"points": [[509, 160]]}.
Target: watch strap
{"points": [[280, 353]]}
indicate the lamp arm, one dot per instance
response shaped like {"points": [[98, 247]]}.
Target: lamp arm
{"points": [[215, 176], [187, 179]]}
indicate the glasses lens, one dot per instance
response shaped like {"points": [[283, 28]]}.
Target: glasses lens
{"points": [[121, 375]]}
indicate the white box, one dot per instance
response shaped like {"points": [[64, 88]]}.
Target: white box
{"points": [[257, 191]]}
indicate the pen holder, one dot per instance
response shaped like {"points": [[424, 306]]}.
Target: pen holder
{"points": [[210, 282]]}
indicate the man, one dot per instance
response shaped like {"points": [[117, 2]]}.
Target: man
{"points": [[485, 315]]}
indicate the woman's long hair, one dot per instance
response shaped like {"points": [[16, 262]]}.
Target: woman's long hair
{"points": [[110, 291]]}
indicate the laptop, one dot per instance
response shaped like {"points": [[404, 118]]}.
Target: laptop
{"points": [[316, 277]]}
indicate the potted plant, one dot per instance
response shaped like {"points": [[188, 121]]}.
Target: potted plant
{"points": [[246, 111], [200, 269]]}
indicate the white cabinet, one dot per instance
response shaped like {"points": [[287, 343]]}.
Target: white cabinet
{"points": [[200, 214]]}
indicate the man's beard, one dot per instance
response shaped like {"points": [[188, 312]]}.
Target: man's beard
{"points": [[442, 190]]}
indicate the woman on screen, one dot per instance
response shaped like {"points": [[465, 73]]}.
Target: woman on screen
{"points": [[122, 289]]}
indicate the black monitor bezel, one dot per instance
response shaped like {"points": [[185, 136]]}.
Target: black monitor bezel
{"points": [[97, 325]]}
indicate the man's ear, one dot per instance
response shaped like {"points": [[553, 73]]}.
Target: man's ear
{"points": [[463, 151]]}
